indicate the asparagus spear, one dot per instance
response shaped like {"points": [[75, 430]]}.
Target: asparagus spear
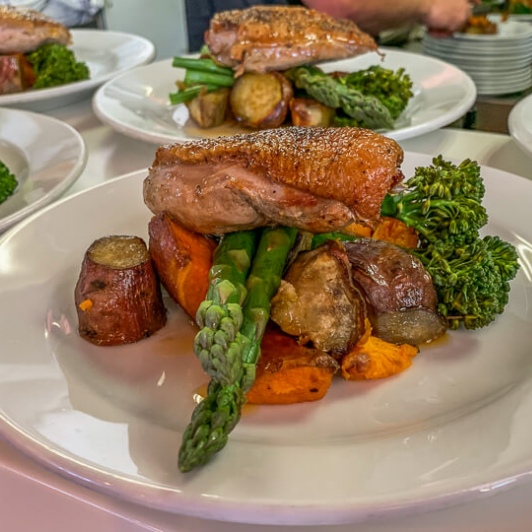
{"points": [[218, 344], [200, 74], [216, 416]]}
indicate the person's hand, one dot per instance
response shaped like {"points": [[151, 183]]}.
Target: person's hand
{"points": [[444, 17]]}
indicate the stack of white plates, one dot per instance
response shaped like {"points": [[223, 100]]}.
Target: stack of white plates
{"points": [[498, 64]]}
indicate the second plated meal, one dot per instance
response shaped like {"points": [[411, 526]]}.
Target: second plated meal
{"points": [[259, 69]]}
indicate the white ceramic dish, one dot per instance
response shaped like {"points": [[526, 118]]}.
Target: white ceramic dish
{"points": [[453, 427], [106, 53], [136, 103], [45, 155], [520, 123]]}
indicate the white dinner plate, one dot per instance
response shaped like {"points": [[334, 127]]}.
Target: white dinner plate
{"points": [[520, 123], [136, 103], [455, 426], [106, 53], [44, 154]]}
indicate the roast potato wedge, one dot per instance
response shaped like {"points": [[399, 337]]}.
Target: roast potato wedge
{"points": [[310, 113], [209, 109], [261, 101]]}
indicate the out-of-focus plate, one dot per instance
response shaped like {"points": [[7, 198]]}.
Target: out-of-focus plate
{"points": [[136, 103], [45, 155], [520, 123], [455, 426], [106, 53]]}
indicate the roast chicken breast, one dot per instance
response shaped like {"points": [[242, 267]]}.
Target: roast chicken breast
{"points": [[24, 30], [274, 38], [315, 179]]}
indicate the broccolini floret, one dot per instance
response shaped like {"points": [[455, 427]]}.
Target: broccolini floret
{"points": [[441, 202], [471, 274], [8, 182], [54, 64]]}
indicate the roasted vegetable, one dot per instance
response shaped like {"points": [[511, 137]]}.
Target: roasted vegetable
{"points": [[288, 372], [261, 101], [392, 88], [209, 109], [118, 296], [396, 232], [363, 110], [215, 417], [310, 113], [375, 358], [8, 182], [182, 260], [443, 203], [55, 64], [318, 303], [399, 291]]}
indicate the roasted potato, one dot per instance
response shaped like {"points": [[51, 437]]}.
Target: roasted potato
{"points": [[118, 296], [209, 109], [261, 101], [309, 112]]}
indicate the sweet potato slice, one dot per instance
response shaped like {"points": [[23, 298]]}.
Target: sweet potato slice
{"points": [[396, 232], [182, 259], [118, 297], [374, 358], [290, 373]]}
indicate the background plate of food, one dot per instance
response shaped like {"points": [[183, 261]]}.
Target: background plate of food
{"points": [[137, 103], [453, 427], [106, 54], [44, 155]]}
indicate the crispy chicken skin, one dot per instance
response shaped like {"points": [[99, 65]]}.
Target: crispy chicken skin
{"points": [[273, 38], [23, 30], [315, 179]]}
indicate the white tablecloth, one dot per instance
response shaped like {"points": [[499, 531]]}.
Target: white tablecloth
{"points": [[34, 499]]}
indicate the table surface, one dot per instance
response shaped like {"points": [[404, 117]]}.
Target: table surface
{"points": [[32, 498]]}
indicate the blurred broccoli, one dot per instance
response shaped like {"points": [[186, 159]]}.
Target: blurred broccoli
{"points": [[55, 64], [8, 182], [471, 274], [353, 107], [392, 89]]}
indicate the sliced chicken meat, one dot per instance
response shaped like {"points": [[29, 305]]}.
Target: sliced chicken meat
{"points": [[315, 179], [274, 38]]}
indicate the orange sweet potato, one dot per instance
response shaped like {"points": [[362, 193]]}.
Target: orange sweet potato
{"points": [[290, 373], [373, 358], [182, 259], [396, 232]]}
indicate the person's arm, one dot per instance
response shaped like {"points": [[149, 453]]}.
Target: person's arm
{"points": [[376, 16]]}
